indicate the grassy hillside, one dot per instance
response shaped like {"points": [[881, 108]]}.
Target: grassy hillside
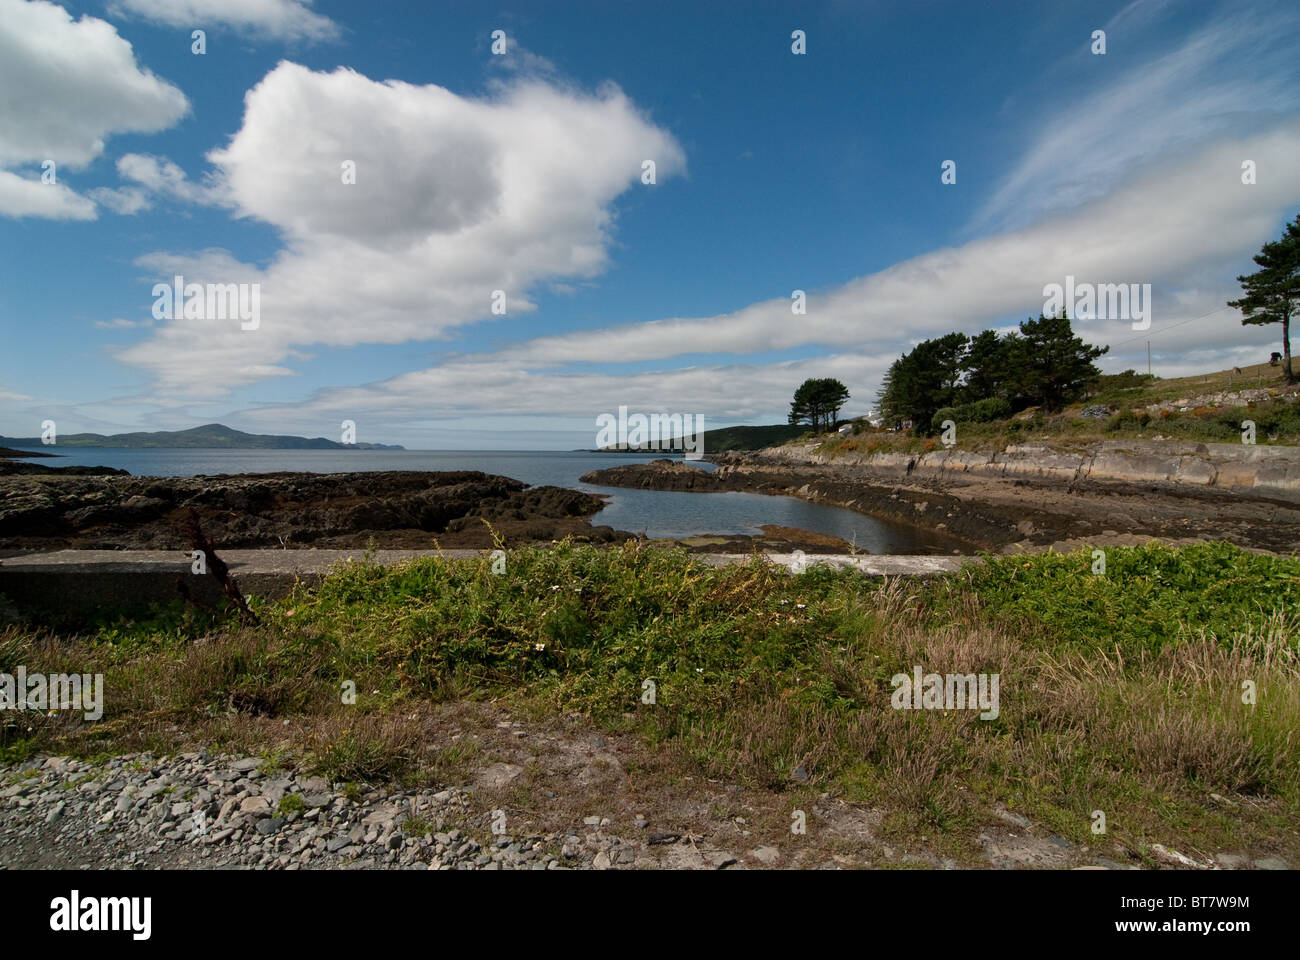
{"points": [[1204, 408], [741, 438], [750, 438]]}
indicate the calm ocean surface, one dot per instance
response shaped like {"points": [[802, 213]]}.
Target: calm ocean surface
{"points": [[656, 513]]}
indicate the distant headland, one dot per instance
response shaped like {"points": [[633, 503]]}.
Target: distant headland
{"points": [[208, 435]]}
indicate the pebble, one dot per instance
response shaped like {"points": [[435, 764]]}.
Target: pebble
{"points": [[195, 810]]}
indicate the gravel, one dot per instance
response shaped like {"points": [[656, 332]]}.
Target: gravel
{"points": [[211, 811]]}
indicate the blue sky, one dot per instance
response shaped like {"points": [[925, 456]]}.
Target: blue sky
{"points": [[477, 172]]}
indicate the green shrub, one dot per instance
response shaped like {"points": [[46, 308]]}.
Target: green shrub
{"points": [[1129, 420], [1127, 380], [1148, 597], [980, 411], [1223, 424]]}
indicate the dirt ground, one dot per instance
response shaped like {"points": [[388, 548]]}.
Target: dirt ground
{"points": [[597, 800]]}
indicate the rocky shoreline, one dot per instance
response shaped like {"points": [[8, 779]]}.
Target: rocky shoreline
{"points": [[1025, 499], [11, 465], [9, 453], [101, 508], [1021, 498], [398, 509]]}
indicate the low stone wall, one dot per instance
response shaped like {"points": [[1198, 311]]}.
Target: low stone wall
{"points": [[1237, 468], [81, 582]]}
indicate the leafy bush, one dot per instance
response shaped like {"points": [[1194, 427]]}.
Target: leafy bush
{"points": [[1272, 418], [1148, 597], [981, 411], [1127, 380], [1129, 420]]}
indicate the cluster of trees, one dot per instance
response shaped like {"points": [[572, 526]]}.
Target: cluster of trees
{"points": [[817, 402], [1272, 293], [988, 375]]}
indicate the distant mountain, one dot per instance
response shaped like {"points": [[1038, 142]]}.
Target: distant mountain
{"points": [[208, 435]]}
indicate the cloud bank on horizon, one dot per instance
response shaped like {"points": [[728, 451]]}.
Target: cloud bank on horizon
{"points": [[384, 220]]}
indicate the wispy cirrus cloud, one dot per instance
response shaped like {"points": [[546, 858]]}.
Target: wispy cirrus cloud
{"points": [[121, 323], [1235, 74], [272, 19], [1146, 232]]}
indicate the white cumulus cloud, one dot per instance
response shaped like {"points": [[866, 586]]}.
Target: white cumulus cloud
{"points": [[148, 178], [68, 85], [454, 198]]}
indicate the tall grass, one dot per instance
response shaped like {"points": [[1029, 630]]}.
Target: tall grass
{"points": [[1121, 692]]}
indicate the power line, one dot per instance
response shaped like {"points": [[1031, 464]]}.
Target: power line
{"points": [[1152, 333]]}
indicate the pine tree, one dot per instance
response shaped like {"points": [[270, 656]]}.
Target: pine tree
{"points": [[818, 402], [1059, 364], [1272, 293], [985, 368], [923, 380]]}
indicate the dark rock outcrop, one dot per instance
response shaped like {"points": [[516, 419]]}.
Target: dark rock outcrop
{"points": [[400, 509], [657, 475], [13, 468]]}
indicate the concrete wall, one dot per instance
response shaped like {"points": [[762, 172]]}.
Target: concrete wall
{"points": [[80, 583]]}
